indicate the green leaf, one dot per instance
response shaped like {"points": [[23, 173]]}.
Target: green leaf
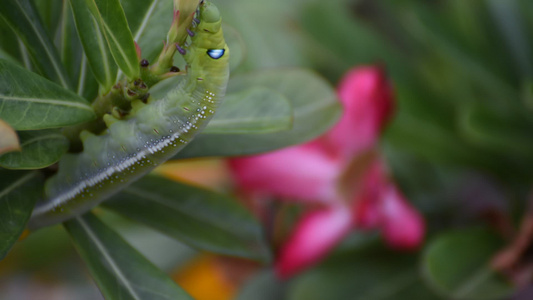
{"points": [[23, 18], [87, 86], [366, 272], [505, 131], [39, 149], [9, 140], [18, 193], [315, 109], [28, 101], [9, 42], [152, 31], [50, 13], [263, 286], [119, 270], [69, 42], [508, 18], [237, 45], [151, 243], [260, 31], [457, 264], [113, 24], [138, 13], [197, 217], [94, 45], [255, 110]]}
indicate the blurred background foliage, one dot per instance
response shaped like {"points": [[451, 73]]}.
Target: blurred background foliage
{"points": [[459, 147]]}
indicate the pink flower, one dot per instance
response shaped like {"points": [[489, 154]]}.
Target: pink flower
{"points": [[368, 105], [302, 173], [314, 236], [316, 172]]}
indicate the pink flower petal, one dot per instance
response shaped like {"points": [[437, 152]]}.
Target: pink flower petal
{"points": [[301, 173], [368, 105], [403, 227], [314, 236], [367, 206]]}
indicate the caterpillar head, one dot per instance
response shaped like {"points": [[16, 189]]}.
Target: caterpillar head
{"points": [[209, 39]]}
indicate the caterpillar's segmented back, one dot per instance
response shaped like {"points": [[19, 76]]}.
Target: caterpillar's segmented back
{"points": [[151, 134]]}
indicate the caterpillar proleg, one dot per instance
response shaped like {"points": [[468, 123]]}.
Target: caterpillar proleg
{"points": [[152, 132]]}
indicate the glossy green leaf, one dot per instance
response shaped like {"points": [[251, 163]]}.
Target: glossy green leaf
{"points": [[94, 44], [197, 217], [23, 18], [119, 270], [255, 110], [9, 140], [457, 265], [113, 24], [40, 149], [367, 272], [28, 101], [315, 109], [18, 193]]}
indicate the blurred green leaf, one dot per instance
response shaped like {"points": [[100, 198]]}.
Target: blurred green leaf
{"points": [[94, 44], [315, 109], [44, 248], [339, 40], [467, 69], [28, 101], [23, 18], [18, 193], [254, 110], [364, 273], [149, 242], [113, 24], [505, 131], [509, 20], [197, 217], [118, 269], [237, 45], [263, 286], [268, 31], [457, 265], [9, 140], [9, 42], [6, 56], [39, 149]]}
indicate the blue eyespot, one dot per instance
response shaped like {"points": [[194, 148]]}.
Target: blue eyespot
{"points": [[216, 53]]}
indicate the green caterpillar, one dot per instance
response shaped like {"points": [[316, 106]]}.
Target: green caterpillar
{"points": [[152, 133]]}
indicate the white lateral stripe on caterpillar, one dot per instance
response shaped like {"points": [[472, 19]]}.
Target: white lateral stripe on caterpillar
{"points": [[107, 173]]}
